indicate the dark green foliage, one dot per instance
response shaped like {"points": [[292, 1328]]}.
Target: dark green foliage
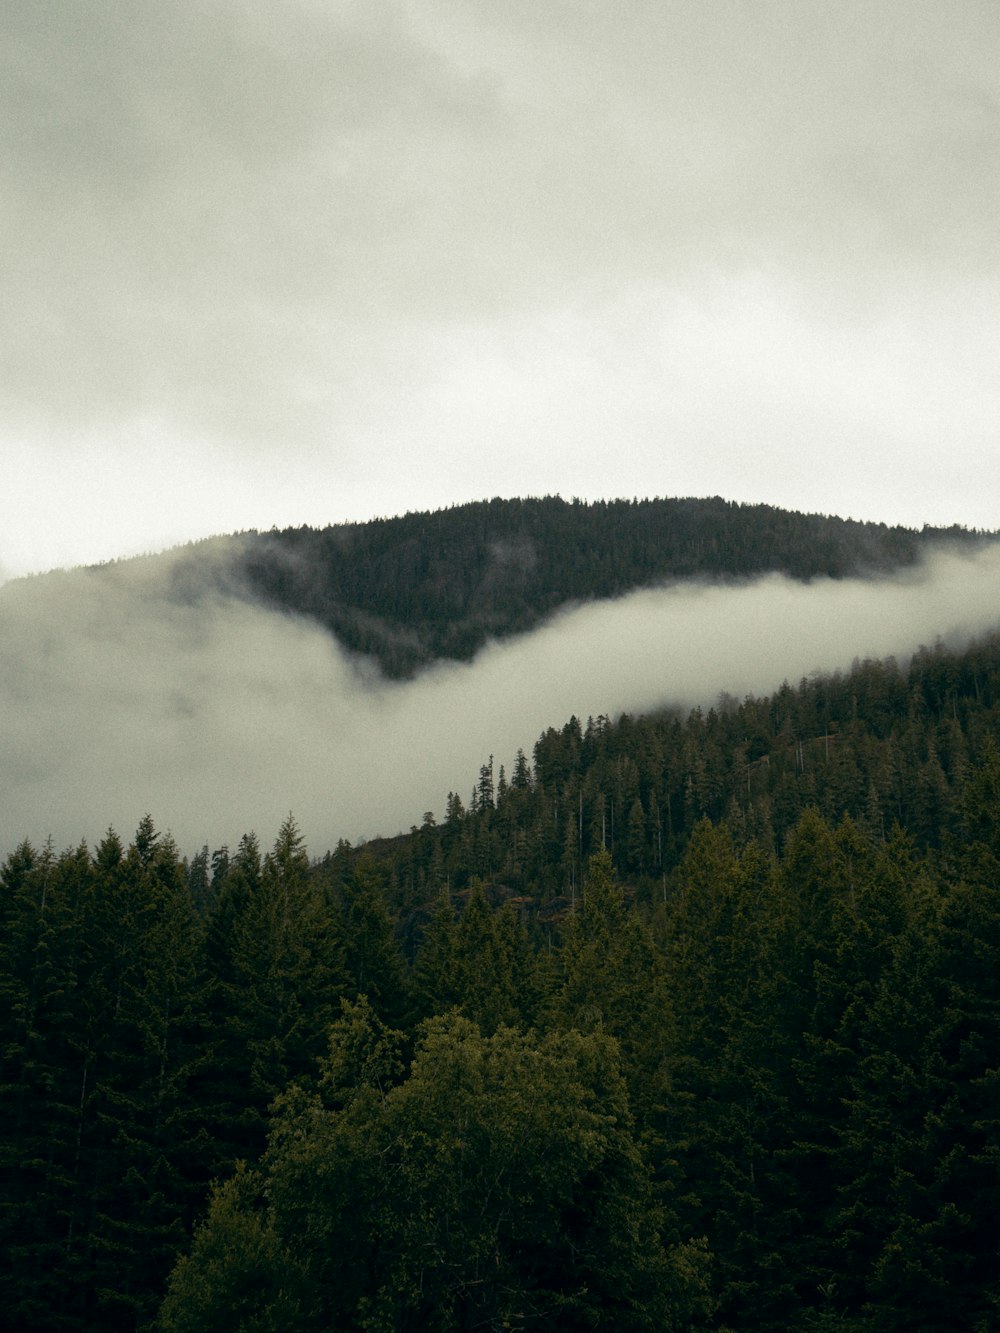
{"points": [[609, 978], [374, 963], [497, 1186], [877, 743], [731, 976], [104, 1160], [239, 1276], [409, 590], [922, 1141], [276, 954], [478, 961], [136, 1056]]}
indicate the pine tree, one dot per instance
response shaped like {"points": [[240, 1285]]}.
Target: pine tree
{"points": [[372, 958], [105, 1159], [610, 980], [274, 955], [289, 965], [435, 967]]}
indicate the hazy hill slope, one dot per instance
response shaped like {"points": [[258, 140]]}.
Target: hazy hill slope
{"points": [[884, 744], [424, 586]]}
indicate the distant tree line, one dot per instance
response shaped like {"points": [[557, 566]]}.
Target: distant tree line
{"points": [[409, 590], [685, 1023], [889, 746]]}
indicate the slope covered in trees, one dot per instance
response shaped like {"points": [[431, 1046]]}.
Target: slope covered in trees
{"points": [[690, 1022], [423, 586]]}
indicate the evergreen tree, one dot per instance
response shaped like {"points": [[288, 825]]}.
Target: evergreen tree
{"points": [[288, 959], [274, 951], [373, 962], [609, 979], [104, 1149], [434, 968]]}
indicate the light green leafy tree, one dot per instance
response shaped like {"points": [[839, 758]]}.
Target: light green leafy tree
{"points": [[499, 1185]]}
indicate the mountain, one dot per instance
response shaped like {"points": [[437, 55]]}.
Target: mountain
{"points": [[426, 586], [687, 1021], [226, 682]]}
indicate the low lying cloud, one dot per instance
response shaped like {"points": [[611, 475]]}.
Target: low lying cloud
{"points": [[124, 690]]}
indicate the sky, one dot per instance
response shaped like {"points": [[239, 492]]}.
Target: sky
{"points": [[312, 262]]}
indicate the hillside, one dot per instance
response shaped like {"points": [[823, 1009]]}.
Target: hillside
{"points": [[688, 1021], [409, 590]]}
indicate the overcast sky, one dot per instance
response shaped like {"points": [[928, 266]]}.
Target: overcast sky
{"points": [[305, 262]]}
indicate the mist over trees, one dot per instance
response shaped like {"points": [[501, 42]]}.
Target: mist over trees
{"points": [[689, 1021], [424, 586], [161, 684], [683, 1021]]}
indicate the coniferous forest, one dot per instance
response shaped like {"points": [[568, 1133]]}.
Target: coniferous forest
{"points": [[688, 1021], [411, 590]]}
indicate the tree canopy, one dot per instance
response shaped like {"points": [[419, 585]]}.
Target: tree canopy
{"points": [[691, 1025]]}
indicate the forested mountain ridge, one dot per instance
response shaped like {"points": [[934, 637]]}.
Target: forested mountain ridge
{"points": [[690, 1023], [423, 586]]}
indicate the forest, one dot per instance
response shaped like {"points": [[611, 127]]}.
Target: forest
{"points": [[686, 1022], [420, 587]]}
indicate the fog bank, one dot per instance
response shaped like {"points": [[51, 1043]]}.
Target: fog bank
{"points": [[218, 717]]}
